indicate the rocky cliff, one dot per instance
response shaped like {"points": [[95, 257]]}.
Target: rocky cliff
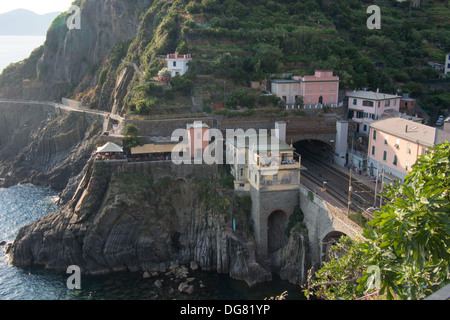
{"points": [[139, 217], [44, 145]]}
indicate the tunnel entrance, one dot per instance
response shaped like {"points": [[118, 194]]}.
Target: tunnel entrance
{"points": [[277, 223], [314, 148]]}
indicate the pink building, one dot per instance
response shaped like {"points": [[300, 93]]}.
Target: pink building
{"points": [[198, 139], [396, 143], [321, 88], [366, 107]]}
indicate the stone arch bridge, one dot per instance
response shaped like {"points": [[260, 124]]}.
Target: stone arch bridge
{"points": [[325, 223]]}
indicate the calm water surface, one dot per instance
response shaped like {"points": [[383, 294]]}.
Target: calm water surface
{"points": [[17, 48], [20, 205]]}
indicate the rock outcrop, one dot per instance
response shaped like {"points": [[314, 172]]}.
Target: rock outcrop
{"points": [[138, 217], [44, 145]]}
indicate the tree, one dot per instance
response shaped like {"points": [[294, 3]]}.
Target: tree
{"points": [[409, 244], [131, 130], [270, 57], [131, 139]]}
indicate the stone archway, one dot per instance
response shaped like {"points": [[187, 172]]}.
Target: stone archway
{"points": [[276, 226], [328, 241]]}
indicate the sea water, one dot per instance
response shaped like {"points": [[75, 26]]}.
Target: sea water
{"points": [[22, 204], [16, 48]]}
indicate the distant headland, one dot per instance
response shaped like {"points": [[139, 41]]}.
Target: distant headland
{"points": [[22, 22]]}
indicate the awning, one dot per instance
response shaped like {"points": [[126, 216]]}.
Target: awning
{"points": [[153, 148], [109, 148]]}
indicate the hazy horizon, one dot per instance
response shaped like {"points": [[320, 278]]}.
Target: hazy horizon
{"points": [[39, 7]]}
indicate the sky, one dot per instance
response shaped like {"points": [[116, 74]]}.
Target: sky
{"points": [[37, 6]]}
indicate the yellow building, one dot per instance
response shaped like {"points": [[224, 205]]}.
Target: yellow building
{"points": [[262, 161]]}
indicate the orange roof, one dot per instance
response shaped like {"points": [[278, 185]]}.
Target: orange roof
{"points": [[178, 56]]}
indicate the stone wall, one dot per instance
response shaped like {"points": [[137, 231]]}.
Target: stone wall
{"points": [[264, 203], [321, 218]]}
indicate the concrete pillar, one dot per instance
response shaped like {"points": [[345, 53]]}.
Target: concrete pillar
{"points": [[280, 130], [341, 142]]}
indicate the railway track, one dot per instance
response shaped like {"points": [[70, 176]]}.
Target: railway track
{"points": [[362, 196], [336, 194]]}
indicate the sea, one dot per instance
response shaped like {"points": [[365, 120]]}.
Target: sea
{"points": [[16, 48], [23, 204]]}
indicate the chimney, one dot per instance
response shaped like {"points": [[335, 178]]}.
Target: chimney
{"points": [[280, 130]]}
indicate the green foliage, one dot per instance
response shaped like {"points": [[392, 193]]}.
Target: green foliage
{"points": [[296, 223], [151, 89], [269, 56], [118, 53], [131, 130], [131, 142], [183, 83], [337, 277], [240, 98], [228, 182], [102, 77], [409, 241]]}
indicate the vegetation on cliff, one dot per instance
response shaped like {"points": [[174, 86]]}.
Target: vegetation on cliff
{"points": [[234, 42], [405, 255]]}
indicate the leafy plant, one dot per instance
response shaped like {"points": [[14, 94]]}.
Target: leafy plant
{"points": [[409, 242]]}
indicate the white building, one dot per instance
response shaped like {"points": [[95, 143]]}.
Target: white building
{"points": [[178, 63], [366, 107]]}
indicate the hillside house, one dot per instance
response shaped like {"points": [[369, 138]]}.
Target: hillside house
{"points": [[366, 107], [322, 88], [407, 103], [178, 63]]}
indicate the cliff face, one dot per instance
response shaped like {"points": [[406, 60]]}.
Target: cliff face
{"points": [[138, 218], [43, 145], [68, 54]]}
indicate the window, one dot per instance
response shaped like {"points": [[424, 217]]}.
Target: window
{"points": [[367, 103], [174, 63], [199, 135], [321, 87], [354, 102], [242, 172], [384, 155], [407, 165], [386, 138], [283, 87], [374, 134], [331, 98], [256, 178], [395, 160], [332, 87], [408, 148], [373, 150], [397, 143], [387, 103], [309, 87], [309, 99]]}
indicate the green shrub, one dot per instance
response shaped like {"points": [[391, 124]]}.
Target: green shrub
{"points": [[102, 77]]}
